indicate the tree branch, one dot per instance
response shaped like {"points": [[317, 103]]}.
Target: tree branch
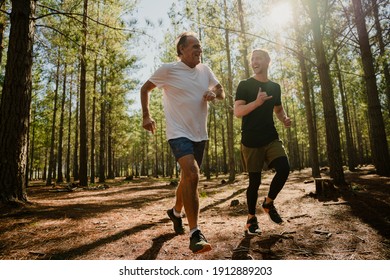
{"points": [[74, 15]]}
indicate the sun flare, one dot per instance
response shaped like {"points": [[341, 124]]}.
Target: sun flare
{"points": [[280, 14]]}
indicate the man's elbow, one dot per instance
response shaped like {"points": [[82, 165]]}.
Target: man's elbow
{"points": [[237, 113]]}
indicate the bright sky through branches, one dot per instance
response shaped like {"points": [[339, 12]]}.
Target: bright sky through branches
{"points": [[280, 15], [154, 12]]}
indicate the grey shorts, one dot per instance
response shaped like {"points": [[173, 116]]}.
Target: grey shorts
{"points": [[257, 159]]}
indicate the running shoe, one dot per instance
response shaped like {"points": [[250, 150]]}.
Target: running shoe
{"points": [[177, 222], [270, 209], [252, 227], [198, 243]]}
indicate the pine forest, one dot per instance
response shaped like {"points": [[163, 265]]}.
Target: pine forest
{"points": [[71, 76]]}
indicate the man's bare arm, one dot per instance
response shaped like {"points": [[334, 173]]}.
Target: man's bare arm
{"points": [[147, 122]]}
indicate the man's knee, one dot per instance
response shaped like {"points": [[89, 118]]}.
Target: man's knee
{"points": [[281, 165], [194, 173]]}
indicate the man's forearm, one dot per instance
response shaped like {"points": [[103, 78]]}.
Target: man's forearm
{"points": [[280, 113]]}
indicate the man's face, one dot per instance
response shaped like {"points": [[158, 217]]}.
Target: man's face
{"points": [[259, 62], [191, 52]]}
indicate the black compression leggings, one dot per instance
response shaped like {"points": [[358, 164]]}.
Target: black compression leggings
{"points": [[282, 168]]}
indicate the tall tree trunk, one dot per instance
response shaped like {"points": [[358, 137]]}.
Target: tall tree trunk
{"points": [[53, 129], [332, 130], [60, 176], [76, 141], [206, 166], [382, 50], [224, 156], [67, 175], [110, 158], [93, 121], [156, 164], [44, 175], [352, 162], [244, 43], [379, 146], [32, 143], [102, 146], [83, 106], [15, 104], [230, 105], [313, 148], [216, 167], [162, 141]]}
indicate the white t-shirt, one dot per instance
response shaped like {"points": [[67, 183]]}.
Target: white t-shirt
{"points": [[184, 107]]}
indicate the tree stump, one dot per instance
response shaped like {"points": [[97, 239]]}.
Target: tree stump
{"points": [[324, 187]]}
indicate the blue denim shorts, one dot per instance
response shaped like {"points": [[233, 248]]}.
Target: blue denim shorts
{"points": [[183, 146]]}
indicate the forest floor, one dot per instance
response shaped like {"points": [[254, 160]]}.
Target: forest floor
{"points": [[125, 220]]}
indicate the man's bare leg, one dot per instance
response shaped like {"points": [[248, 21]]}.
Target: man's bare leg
{"points": [[188, 188]]}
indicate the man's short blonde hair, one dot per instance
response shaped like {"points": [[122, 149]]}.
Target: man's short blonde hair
{"points": [[263, 52]]}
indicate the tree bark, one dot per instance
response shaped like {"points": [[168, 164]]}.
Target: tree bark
{"points": [[93, 121], [244, 43], [15, 104], [382, 51], [313, 148], [53, 128], [351, 151], [67, 174], [379, 146], [102, 137], [331, 125], [76, 141], [230, 104], [60, 177], [83, 106]]}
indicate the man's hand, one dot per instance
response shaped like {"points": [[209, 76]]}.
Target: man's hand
{"points": [[209, 96], [262, 97], [149, 124], [286, 121]]}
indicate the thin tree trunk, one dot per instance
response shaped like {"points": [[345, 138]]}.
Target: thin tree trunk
{"points": [[224, 156], [216, 167], [110, 159], [102, 146], [83, 106], [230, 104], [60, 176], [156, 155], [313, 148], [67, 175], [163, 162], [206, 166], [92, 179], [348, 135], [53, 129], [76, 142], [32, 150], [244, 43]]}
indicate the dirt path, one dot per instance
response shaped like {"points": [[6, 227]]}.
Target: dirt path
{"points": [[128, 221]]}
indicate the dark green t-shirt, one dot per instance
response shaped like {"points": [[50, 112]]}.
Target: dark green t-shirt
{"points": [[258, 128]]}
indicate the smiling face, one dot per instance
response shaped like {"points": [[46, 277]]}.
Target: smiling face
{"points": [[190, 51], [260, 61]]}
